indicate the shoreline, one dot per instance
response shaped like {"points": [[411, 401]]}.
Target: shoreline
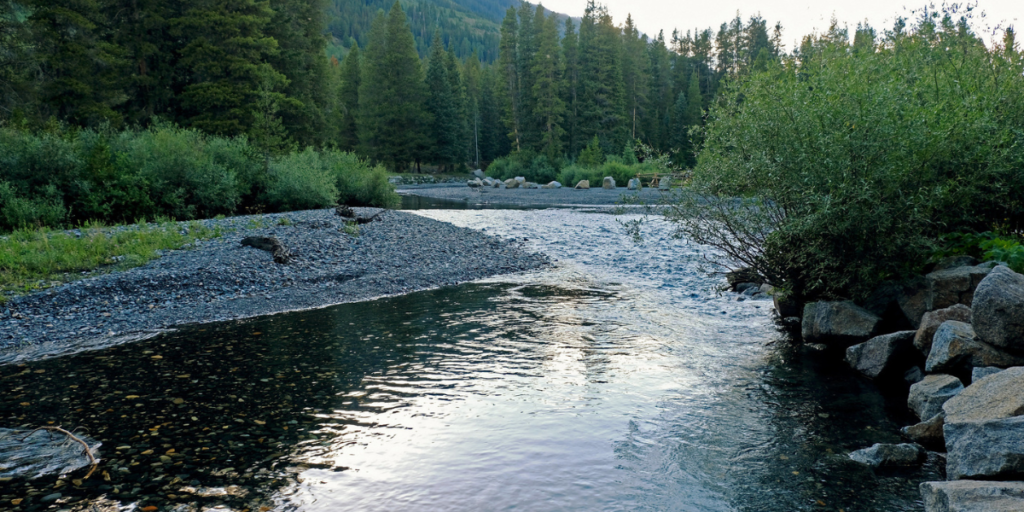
{"points": [[526, 198], [221, 280]]}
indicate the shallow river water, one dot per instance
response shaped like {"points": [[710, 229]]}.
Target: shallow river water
{"points": [[617, 380]]}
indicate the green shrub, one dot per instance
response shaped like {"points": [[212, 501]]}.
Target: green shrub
{"points": [[360, 184], [591, 156], [833, 174], [21, 212], [529, 165], [301, 181]]}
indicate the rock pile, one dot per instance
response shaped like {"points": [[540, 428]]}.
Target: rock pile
{"points": [[968, 325]]}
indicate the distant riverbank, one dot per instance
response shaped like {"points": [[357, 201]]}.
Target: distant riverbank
{"points": [[220, 279], [565, 196]]}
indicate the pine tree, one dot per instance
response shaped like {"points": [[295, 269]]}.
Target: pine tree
{"points": [[472, 79], [393, 119], [659, 100], [494, 141], [348, 137], [460, 102], [142, 32], [601, 98], [634, 76], [507, 92], [548, 107], [570, 87], [592, 155], [440, 103]]}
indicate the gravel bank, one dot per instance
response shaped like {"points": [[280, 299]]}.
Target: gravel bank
{"points": [[221, 280], [564, 196]]}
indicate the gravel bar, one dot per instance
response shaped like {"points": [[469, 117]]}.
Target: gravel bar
{"points": [[220, 279], [565, 196]]}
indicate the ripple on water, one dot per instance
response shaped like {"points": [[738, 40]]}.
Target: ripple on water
{"points": [[611, 382]]}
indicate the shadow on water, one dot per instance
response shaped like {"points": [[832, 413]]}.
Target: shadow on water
{"points": [[611, 382]]}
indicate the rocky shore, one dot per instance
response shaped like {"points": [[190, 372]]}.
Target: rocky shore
{"points": [[956, 337], [221, 279], [527, 197]]}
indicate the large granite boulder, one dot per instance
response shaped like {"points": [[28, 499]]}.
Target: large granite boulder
{"points": [[955, 347], [838, 323], [475, 183], [883, 356], [994, 397], [511, 183], [608, 183], [980, 372], [998, 311], [927, 397], [927, 433], [665, 183], [479, 174], [553, 184], [931, 321], [890, 455], [973, 496], [521, 180], [634, 184], [583, 185], [988, 449], [954, 286]]}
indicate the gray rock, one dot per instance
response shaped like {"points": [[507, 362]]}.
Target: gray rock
{"points": [[608, 183], [913, 375], [973, 496], [913, 300], [479, 174], [553, 184], [665, 183], [955, 261], [985, 449], [583, 185], [530, 184], [743, 287], [881, 356], [978, 373], [520, 179], [954, 286], [890, 455], [497, 183], [634, 184], [955, 347], [475, 183], [741, 276], [511, 183], [994, 397], [928, 432], [998, 311], [931, 321], [928, 396], [837, 323]]}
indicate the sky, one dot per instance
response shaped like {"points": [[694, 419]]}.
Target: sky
{"points": [[798, 17]]}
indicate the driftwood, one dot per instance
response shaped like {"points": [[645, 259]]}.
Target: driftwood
{"points": [[271, 245], [88, 451], [367, 220], [350, 215]]}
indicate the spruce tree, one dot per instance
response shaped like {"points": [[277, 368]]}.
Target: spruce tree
{"points": [[472, 80], [548, 108], [460, 102], [440, 103], [634, 76], [393, 119], [570, 86], [494, 140], [348, 137], [507, 91], [601, 98]]}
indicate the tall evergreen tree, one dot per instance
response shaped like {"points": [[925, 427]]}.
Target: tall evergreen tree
{"points": [[507, 91], [472, 79], [494, 140], [348, 137], [443, 132], [570, 87], [548, 108], [459, 101], [142, 32], [635, 79], [393, 118], [601, 99]]}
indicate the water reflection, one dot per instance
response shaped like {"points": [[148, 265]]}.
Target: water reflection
{"points": [[616, 381]]}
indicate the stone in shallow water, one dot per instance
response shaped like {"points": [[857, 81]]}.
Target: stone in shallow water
{"points": [[973, 496], [884, 355], [928, 396], [838, 323], [928, 432], [890, 455]]}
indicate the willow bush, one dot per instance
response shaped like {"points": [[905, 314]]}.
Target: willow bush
{"points": [[833, 172]]}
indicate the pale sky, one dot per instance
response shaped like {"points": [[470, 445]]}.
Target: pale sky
{"points": [[798, 17]]}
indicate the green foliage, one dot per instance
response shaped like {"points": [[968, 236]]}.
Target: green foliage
{"points": [[24, 212], [300, 181], [986, 246], [591, 156], [359, 183], [1009, 251], [856, 163], [530, 165]]}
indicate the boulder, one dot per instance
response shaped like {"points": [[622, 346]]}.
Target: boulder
{"points": [[991, 449], [475, 183], [553, 184], [608, 183], [994, 397], [743, 287], [927, 397], [913, 300], [520, 179], [890, 455], [931, 321], [530, 184], [884, 302], [882, 356], [838, 323], [998, 310], [954, 286], [583, 185], [913, 375], [479, 174], [955, 347], [787, 307], [270, 244], [954, 261], [980, 372], [927, 433], [973, 496], [634, 184], [740, 276], [665, 183], [497, 183], [511, 183]]}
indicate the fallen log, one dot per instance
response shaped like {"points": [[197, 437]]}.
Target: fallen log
{"points": [[271, 245]]}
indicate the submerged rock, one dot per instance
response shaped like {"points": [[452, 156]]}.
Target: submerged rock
{"points": [[955, 347], [989, 449], [998, 311], [838, 323], [881, 356], [973, 496], [931, 321], [928, 396], [890, 455]]}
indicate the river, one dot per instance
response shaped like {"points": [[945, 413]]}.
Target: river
{"points": [[619, 379]]}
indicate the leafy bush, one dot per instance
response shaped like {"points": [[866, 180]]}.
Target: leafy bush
{"points": [[533, 167], [360, 184], [21, 212], [301, 181], [832, 174], [591, 156]]}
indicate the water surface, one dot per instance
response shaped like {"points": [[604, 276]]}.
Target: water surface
{"points": [[618, 380]]}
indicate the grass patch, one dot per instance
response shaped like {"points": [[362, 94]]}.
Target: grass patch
{"points": [[34, 259], [351, 229]]}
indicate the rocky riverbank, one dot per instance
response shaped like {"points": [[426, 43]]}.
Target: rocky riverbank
{"points": [[956, 337], [220, 279], [526, 197]]}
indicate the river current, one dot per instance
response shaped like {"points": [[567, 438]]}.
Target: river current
{"points": [[619, 379]]}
